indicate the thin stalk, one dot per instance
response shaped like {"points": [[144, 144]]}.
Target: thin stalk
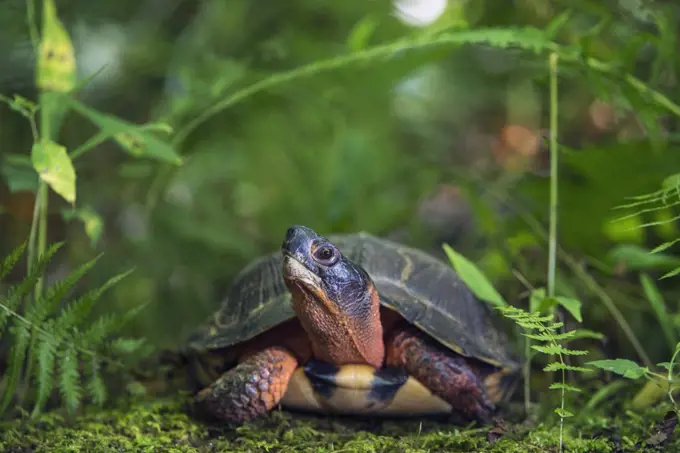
{"points": [[527, 375], [552, 233]]}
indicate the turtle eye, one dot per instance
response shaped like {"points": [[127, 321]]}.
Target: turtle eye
{"points": [[325, 255]]}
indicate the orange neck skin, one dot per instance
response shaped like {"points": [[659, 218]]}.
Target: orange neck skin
{"points": [[339, 337]]}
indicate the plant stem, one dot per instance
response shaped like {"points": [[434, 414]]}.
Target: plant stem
{"points": [[552, 245], [34, 229], [527, 375], [552, 234], [42, 232]]}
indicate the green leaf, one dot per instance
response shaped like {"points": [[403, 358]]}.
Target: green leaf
{"points": [[68, 378], [635, 257], [44, 364], [127, 345], [537, 296], [555, 25], [557, 349], [77, 311], [559, 366], [474, 278], [666, 365], [569, 388], [545, 337], [11, 260], [585, 333], [56, 65], [19, 342], [92, 222], [49, 302], [20, 179], [664, 246], [659, 306], [361, 33], [18, 292], [550, 350], [623, 367], [95, 384], [55, 168], [573, 306], [563, 413], [137, 140], [672, 273]]}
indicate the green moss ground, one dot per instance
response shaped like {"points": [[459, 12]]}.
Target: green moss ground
{"points": [[163, 426]]}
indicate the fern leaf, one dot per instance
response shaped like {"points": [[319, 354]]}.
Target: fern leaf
{"points": [[554, 349], [21, 336], [559, 366], [45, 355], [11, 260], [569, 388], [544, 337], [95, 384], [18, 292], [127, 345], [47, 304], [77, 311], [106, 325], [68, 378]]}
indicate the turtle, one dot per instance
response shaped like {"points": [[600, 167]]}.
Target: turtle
{"points": [[349, 324]]}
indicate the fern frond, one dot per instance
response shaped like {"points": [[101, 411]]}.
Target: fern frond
{"points": [[77, 311], [20, 339], [16, 293], [44, 365], [11, 260], [545, 337], [567, 387], [47, 304], [555, 349], [559, 366], [69, 385], [95, 385], [105, 325]]}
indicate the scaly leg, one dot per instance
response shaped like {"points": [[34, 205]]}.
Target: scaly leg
{"points": [[252, 388], [447, 374]]}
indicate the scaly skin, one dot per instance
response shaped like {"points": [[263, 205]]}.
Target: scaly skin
{"points": [[250, 389], [447, 374]]}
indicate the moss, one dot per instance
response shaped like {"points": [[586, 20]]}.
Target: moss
{"points": [[165, 426]]}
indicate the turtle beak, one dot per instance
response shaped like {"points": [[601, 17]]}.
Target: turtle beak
{"points": [[298, 264], [298, 244], [295, 271]]}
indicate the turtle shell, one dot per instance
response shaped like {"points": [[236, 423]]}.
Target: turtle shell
{"points": [[421, 288]]}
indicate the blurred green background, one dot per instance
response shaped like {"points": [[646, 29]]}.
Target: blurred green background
{"points": [[437, 145]]}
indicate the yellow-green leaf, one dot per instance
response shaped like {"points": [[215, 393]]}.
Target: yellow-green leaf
{"points": [[55, 168], [56, 65], [474, 278], [361, 33], [92, 222]]}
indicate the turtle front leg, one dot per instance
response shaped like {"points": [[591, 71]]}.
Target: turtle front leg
{"points": [[447, 374], [252, 388]]}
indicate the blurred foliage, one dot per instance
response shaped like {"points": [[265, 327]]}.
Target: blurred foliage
{"points": [[439, 143]]}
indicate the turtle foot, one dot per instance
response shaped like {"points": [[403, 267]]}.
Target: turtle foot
{"points": [[447, 374], [249, 390]]}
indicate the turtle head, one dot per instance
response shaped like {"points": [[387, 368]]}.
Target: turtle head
{"points": [[334, 299]]}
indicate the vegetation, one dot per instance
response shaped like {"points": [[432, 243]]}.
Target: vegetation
{"points": [[536, 141]]}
